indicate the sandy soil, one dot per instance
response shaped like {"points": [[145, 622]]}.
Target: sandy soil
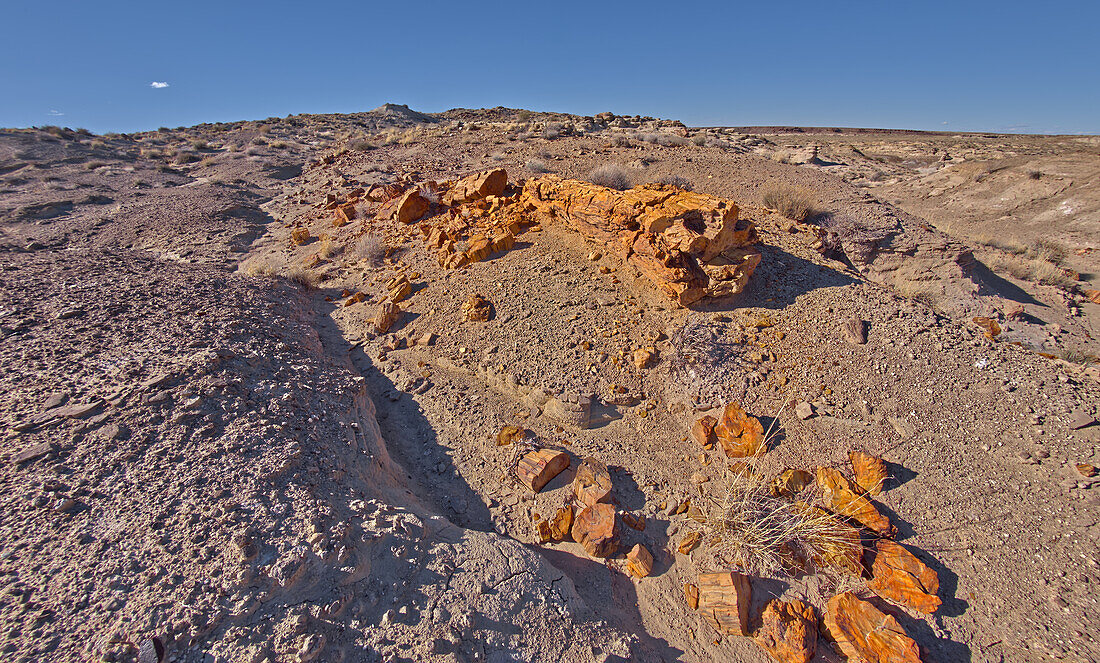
{"points": [[203, 450]]}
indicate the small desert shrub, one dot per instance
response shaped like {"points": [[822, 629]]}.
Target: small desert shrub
{"points": [[308, 279], [671, 141], [924, 293], [792, 202], [523, 115], [551, 131], [648, 138], [97, 144], [676, 180], [700, 140], [1034, 174], [850, 236], [279, 145], [621, 141], [538, 166], [260, 270], [371, 248], [199, 144], [1049, 250], [253, 151], [328, 248], [497, 156], [208, 161], [358, 145], [92, 165], [259, 140], [610, 175], [186, 157], [431, 193]]}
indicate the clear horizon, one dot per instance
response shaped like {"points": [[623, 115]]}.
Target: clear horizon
{"points": [[1008, 67]]}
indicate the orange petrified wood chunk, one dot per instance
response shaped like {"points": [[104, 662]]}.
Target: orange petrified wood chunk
{"points": [[897, 575], [592, 483], [843, 497], [537, 468], [739, 434], [788, 631], [724, 599], [870, 471], [597, 529], [865, 633]]}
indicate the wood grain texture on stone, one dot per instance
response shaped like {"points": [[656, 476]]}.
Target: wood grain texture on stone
{"points": [[702, 431], [592, 483], [724, 599], [537, 468], [866, 634], [897, 575], [740, 434], [639, 561], [788, 631], [596, 528], [870, 471], [841, 496]]}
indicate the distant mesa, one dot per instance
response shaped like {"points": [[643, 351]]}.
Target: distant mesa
{"points": [[401, 111]]}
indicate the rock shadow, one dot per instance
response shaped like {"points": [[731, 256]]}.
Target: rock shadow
{"points": [[991, 284], [777, 283]]}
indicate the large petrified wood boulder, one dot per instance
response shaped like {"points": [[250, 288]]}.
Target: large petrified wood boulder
{"points": [[597, 529], [477, 186], [865, 633], [844, 497], [788, 631], [724, 599], [897, 575], [690, 245], [739, 434], [592, 483]]}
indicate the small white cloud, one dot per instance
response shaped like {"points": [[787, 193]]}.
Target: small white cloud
{"points": [[55, 113], [158, 84], [944, 122]]}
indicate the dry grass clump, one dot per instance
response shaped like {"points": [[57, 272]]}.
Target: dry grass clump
{"points": [[260, 270], [552, 130], [621, 141], [538, 166], [371, 248], [306, 278], [924, 293], [610, 175], [328, 248], [1036, 270], [770, 535], [792, 202]]}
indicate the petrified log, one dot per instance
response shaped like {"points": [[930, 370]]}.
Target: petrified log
{"points": [[385, 316], [639, 561], [788, 631], [597, 529], [870, 471], [477, 309], [897, 575], [739, 434], [865, 633], [537, 468], [476, 187], [843, 497], [724, 599], [592, 483], [667, 233]]}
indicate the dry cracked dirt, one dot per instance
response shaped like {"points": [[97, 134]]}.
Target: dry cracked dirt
{"points": [[392, 386]]}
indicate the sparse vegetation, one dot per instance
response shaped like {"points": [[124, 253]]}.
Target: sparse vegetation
{"points": [[621, 141], [610, 175], [279, 145], [260, 270], [700, 139], [306, 278], [795, 203], [371, 248], [200, 145], [538, 166], [552, 130], [1036, 270]]}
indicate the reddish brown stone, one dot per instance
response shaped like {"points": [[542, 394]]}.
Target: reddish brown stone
{"points": [[476, 187], [537, 468], [788, 631], [477, 309], [791, 482], [739, 434], [702, 431], [592, 483], [843, 497], [385, 316], [870, 471], [724, 599], [299, 236], [639, 561], [411, 207], [897, 575], [597, 529], [865, 633]]}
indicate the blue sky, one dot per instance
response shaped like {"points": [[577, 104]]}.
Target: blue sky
{"points": [[955, 66]]}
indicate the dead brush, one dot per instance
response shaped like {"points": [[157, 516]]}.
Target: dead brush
{"points": [[793, 202], [767, 534]]}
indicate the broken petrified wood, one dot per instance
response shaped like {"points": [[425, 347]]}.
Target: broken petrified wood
{"points": [[477, 186], [788, 631], [596, 528], [724, 599], [690, 245], [639, 561], [477, 309], [702, 431], [592, 483], [870, 471], [855, 331], [845, 498], [790, 483], [537, 468], [691, 595], [385, 316], [897, 575], [865, 633], [739, 434]]}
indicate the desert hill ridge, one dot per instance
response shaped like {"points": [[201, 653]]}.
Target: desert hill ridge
{"points": [[255, 410]]}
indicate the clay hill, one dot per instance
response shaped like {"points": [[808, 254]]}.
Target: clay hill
{"points": [[496, 385]]}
